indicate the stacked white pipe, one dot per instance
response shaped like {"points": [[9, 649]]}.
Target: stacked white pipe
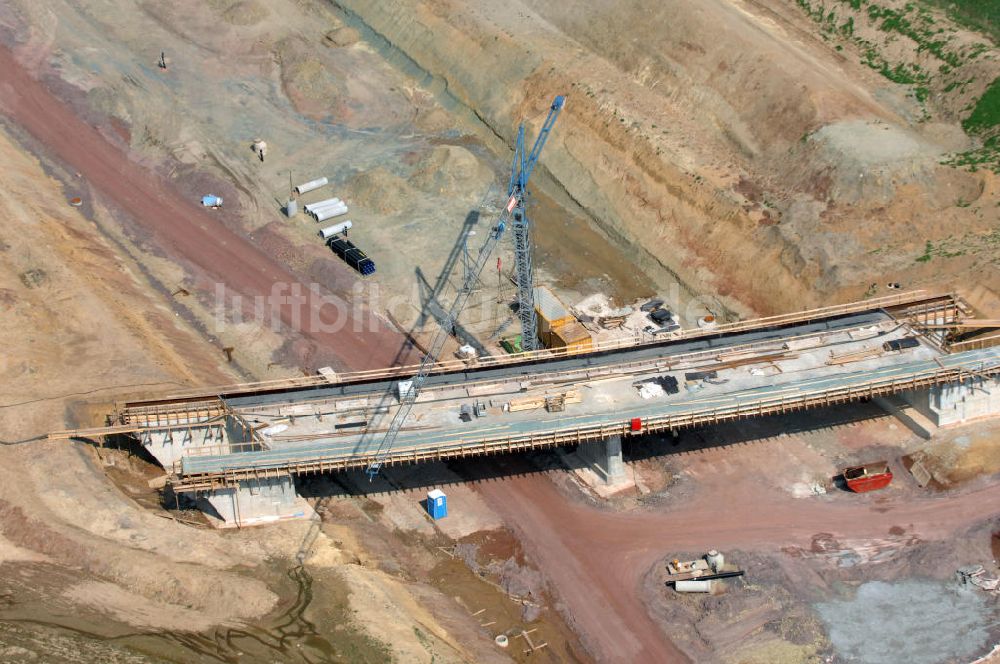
{"points": [[312, 207], [324, 213], [312, 184], [336, 229]]}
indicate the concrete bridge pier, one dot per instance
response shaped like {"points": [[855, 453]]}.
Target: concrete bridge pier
{"points": [[604, 457], [955, 403], [256, 501]]}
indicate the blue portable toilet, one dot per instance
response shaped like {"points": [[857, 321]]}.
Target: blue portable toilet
{"points": [[211, 201], [437, 504]]}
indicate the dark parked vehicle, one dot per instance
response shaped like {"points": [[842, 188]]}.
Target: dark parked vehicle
{"points": [[661, 316]]}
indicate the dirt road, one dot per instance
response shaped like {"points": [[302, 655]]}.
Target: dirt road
{"points": [[595, 560], [184, 231]]}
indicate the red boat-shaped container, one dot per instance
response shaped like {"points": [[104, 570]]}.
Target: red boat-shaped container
{"points": [[868, 477]]}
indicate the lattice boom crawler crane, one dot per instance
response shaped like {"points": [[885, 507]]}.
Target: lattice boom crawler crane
{"points": [[514, 211]]}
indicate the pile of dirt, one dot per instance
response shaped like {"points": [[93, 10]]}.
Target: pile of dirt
{"points": [[379, 190], [451, 171], [959, 456], [343, 37], [865, 161], [245, 12], [315, 88], [672, 106], [759, 619], [919, 621], [434, 120]]}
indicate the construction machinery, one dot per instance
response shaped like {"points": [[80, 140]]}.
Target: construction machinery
{"points": [[518, 191], [407, 390]]}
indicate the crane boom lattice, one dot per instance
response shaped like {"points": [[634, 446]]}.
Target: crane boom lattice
{"points": [[521, 227], [408, 390], [513, 211]]}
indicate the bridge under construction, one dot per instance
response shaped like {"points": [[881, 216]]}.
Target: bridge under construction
{"points": [[238, 448]]}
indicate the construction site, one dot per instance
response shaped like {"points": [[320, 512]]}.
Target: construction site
{"points": [[425, 331]]}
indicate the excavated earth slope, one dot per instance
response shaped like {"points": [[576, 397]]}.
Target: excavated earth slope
{"points": [[724, 140]]}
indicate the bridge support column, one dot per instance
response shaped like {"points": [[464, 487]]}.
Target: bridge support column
{"points": [[955, 403], [605, 458], [256, 501]]}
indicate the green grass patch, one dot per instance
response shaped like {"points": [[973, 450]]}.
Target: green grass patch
{"points": [[988, 157], [983, 121], [979, 15], [928, 253], [985, 116]]}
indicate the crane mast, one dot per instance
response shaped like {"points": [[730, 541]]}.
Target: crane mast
{"points": [[514, 211], [520, 171]]}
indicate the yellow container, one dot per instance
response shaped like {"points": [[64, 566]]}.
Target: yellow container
{"points": [[571, 337], [552, 313]]}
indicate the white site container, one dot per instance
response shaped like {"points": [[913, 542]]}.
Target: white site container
{"points": [[336, 229], [323, 203], [329, 213], [311, 185]]}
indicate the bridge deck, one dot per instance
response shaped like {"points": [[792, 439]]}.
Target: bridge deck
{"points": [[911, 304], [842, 362], [745, 369]]}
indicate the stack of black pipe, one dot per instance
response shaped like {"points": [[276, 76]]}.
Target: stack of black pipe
{"points": [[351, 254]]}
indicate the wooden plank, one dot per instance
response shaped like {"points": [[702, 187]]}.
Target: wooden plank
{"points": [[853, 356], [920, 473], [94, 432], [968, 323], [979, 342], [532, 403]]}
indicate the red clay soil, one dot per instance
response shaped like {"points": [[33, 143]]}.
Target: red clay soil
{"points": [[595, 560], [182, 229]]}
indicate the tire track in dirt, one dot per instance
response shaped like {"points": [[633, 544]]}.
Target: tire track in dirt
{"points": [[184, 231]]}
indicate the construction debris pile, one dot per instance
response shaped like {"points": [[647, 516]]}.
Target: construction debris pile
{"points": [[974, 576], [701, 575]]}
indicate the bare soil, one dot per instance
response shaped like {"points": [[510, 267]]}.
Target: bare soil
{"points": [[723, 145], [605, 563], [184, 231], [676, 111]]}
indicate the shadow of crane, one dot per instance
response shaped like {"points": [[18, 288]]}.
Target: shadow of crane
{"points": [[430, 307]]}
